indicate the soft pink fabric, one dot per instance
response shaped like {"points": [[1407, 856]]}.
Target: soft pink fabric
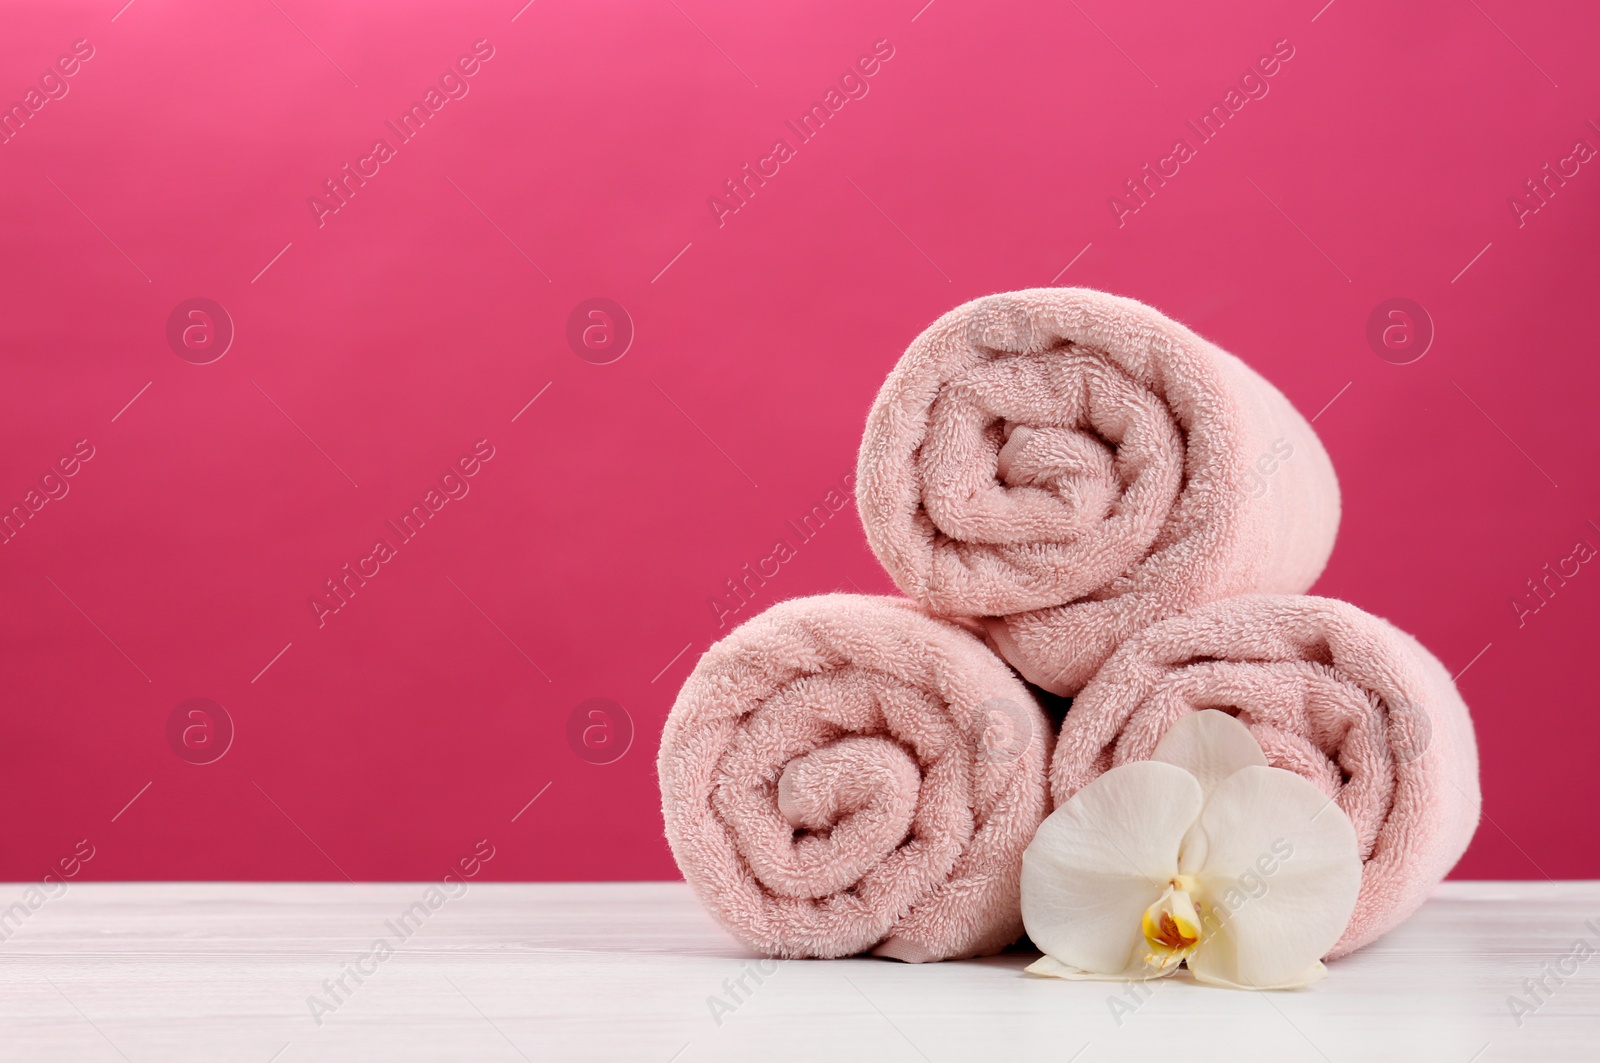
{"points": [[1072, 466], [1331, 693], [844, 773]]}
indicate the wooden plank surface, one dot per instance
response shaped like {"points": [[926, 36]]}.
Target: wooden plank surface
{"points": [[637, 971]]}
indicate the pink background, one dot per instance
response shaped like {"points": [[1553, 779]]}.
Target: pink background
{"points": [[423, 316]]}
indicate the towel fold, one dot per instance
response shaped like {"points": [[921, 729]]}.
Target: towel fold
{"points": [[1071, 466], [1345, 699], [844, 773]]}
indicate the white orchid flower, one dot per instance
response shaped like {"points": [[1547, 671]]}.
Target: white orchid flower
{"points": [[1203, 855]]}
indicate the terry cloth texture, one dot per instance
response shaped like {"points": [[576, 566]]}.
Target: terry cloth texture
{"points": [[1071, 466], [1331, 693], [845, 773]]}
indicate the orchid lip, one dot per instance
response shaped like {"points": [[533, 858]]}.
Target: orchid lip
{"points": [[1172, 925]]}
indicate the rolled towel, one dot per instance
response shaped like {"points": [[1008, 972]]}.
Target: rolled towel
{"points": [[1331, 693], [844, 773], [1072, 465]]}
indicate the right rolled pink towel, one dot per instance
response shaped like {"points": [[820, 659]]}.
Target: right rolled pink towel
{"points": [[1329, 692]]}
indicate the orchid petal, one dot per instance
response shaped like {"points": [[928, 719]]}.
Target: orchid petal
{"points": [[1050, 967], [1315, 973], [1211, 745], [1280, 879], [1101, 859]]}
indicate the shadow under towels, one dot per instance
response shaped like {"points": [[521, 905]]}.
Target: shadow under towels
{"points": [[1329, 692], [844, 773], [1071, 466]]}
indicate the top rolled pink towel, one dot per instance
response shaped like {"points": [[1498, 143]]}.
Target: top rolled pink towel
{"points": [[1071, 466]]}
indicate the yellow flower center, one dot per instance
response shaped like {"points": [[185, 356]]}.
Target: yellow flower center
{"points": [[1172, 925]]}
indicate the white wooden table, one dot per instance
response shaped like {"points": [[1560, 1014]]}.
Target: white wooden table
{"points": [[223, 972]]}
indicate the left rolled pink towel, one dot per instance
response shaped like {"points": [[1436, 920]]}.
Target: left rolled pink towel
{"points": [[844, 774]]}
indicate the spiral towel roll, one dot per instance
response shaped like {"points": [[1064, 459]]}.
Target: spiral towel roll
{"points": [[844, 773], [1072, 466], [1338, 696]]}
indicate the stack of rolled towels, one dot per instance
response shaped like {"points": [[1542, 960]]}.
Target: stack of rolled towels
{"points": [[1081, 499]]}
